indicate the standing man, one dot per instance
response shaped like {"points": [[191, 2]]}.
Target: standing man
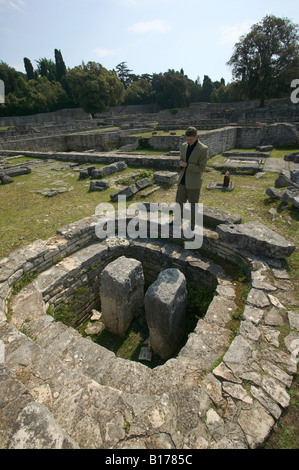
{"points": [[193, 161]]}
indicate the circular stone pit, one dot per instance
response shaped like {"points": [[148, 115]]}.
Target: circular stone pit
{"points": [[220, 391]]}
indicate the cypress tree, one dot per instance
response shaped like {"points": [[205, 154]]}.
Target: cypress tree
{"points": [[60, 66], [29, 69]]}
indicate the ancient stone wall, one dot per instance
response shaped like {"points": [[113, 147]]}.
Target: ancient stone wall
{"points": [[280, 134], [218, 140], [63, 115]]}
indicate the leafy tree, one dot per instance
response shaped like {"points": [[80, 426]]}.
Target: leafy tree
{"points": [[171, 89], [93, 87], [124, 74], [139, 92], [265, 60], [46, 68], [35, 96], [29, 69], [9, 75], [195, 90]]}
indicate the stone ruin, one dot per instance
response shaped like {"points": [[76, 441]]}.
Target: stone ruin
{"points": [[289, 180], [122, 294], [122, 299], [219, 391], [223, 389], [165, 308]]}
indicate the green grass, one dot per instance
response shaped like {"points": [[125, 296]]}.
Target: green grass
{"points": [[26, 216]]}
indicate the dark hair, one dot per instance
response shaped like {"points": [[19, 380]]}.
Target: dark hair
{"points": [[191, 132]]}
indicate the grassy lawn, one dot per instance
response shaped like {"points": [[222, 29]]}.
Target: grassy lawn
{"points": [[26, 216]]}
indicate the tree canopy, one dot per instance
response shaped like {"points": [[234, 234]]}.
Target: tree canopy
{"points": [[266, 59], [94, 88]]}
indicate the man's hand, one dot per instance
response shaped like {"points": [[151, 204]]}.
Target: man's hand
{"points": [[183, 164]]}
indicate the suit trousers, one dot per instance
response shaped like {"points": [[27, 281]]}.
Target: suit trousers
{"points": [[192, 196]]}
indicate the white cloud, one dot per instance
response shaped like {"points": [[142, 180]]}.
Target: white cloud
{"points": [[101, 53], [156, 26], [129, 3], [14, 4], [231, 34]]}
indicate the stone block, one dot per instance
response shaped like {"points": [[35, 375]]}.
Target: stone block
{"points": [[291, 195], [213, 217], [283, 179], [5, 179], [122, 294], [220, 186], [113, 168], [274, 193], [83, 175], [100, 185], [256, 238], [264, 148], [295, 176], [129, 191], [165, 304], [291, 157], [165, 177]]}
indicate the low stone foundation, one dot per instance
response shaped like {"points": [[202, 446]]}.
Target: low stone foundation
{"points": [[220, 391]]}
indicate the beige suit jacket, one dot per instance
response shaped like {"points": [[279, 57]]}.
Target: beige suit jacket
{"points": [[196, 165]]}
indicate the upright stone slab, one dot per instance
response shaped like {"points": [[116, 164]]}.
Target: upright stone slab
{"points": [[122, 294], [165, 304]]}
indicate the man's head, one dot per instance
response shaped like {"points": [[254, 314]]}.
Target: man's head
{"points": [[191, 135]]}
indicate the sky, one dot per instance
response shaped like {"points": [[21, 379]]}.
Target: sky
{"points": [[151, 36]]}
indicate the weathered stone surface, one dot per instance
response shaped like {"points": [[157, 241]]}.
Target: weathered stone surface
{"points": [[165, 177], [94, 328], [290, 157], [266, 402], [213, 217], [256, 424], [36, 428], [83, 175], [273, 318], [274, 193], [295, 175], [284, 179], [294, 320], [98, 185], [248, 155], [225, 373], [113, 168], [238, 355], [213, 388], [257, 298], [236, 391], [220, 187], [26, 306], [206, 344], [276, 391], [129, 191], [5, 179], [122, 290], [257, 238], [291, 195], [165, 304], [264, 148], [100, 400]]}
